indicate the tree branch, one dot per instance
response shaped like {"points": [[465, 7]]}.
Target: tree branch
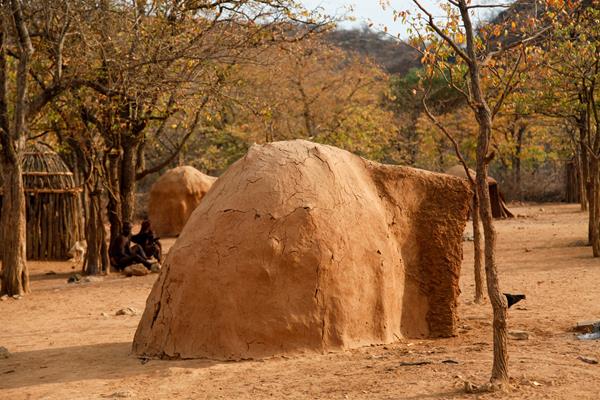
{"points": [[441, 33], [445, 131], [508, 87], [173, 155]]}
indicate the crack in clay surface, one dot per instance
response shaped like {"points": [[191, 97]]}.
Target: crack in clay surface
{"points": [[320, 251]]}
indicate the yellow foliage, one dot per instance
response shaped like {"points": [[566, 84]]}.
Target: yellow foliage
{"points": [[316, 91]]}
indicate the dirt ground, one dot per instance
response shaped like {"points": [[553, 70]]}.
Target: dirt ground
{"points": [[67, 343]]}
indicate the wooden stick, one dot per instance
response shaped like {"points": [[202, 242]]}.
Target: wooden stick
{"points": [[36, 173]]}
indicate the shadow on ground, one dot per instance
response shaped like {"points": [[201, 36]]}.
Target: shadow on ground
{"points": [[60, 276], [68, 364]]}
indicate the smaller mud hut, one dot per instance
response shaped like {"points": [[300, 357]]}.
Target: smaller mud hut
{"points": [[54, 219], [499, 208], [173, 198]]}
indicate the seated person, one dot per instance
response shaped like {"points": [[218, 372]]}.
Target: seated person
{"points": [[122, 254], [150, 244]]}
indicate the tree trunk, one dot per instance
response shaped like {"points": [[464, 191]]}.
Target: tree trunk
{"points": [[15, 276], [585, 172], [96, 261], [500, 365], [141, 157], [104, 251], [484, 120], [580, 181], [114, 196], [479, 298], [517, 161], [92, 255], [585, 169], [594, 207], [128, 181]]}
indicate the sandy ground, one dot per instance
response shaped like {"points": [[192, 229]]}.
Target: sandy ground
{"points": [[67, 343]]}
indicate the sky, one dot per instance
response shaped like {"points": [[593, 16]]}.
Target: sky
{"points": [[371, 11]]}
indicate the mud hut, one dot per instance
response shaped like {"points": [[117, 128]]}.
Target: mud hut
{"points": [[301, 247], [53, 206], [173, 198], [499, 208]]}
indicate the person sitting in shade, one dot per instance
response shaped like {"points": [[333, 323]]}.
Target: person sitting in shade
{"points": [[149, 243], [123, 255]]}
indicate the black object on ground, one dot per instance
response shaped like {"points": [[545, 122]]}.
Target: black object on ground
{"points": [[514, 298]]}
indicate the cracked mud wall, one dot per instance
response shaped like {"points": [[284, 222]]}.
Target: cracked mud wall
{"points": [[301, 247], [173, 198]]}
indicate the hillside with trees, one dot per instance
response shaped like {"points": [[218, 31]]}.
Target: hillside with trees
{"points": [[393, 55]]}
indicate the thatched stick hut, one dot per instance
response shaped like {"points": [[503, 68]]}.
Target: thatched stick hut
{"points": [[53, 206]]}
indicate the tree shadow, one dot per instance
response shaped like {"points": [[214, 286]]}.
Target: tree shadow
{"points": [[56, 276], [68, 364], [452, 394]]}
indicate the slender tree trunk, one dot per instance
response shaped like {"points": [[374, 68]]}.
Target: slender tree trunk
{"points": [[594, 206], [92, 255], [477, 250], [500, 365], [181, 159], [84, 204], [104, 249], [584, 173], [586, 164], [15, 276], [96, 261], [128, 181], [517, 162], [580, 181], [484, 119], [591, 128], [483, 114], [141, 157], [114, 196]]}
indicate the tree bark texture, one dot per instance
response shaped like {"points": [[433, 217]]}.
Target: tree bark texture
{"points": [[594, 207], [477, 250], [500, 365], [483, 115], [96, 261], [583, 201], [520, 132], [128, 181], [585, 169], [15, 276], [114, 209]]}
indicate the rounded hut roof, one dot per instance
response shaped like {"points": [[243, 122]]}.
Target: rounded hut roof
{"points": [[184, 179], [44, 171]]}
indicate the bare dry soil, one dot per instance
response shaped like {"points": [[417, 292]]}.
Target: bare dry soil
{"points": [[67, 343]]}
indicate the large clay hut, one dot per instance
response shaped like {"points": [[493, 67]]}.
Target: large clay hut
{"points": [[499, 208], [54, 219], [173, 198], [301, 247]]}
